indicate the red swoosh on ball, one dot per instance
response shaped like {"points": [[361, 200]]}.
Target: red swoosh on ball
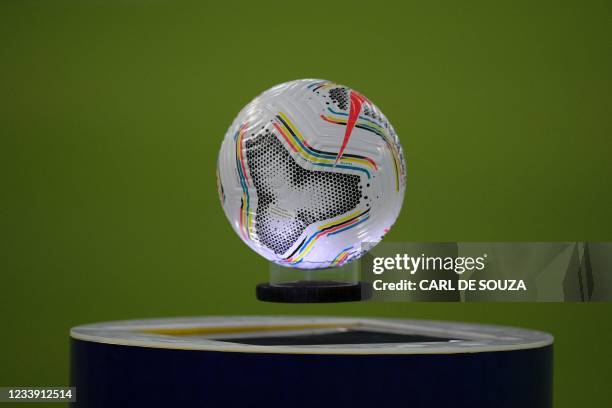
{"points": [[357, 100]]}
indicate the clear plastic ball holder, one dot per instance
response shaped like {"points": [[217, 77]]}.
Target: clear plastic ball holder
{"points": [[326, 285]]}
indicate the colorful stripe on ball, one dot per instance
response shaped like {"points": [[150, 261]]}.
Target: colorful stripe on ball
{"points": [[245, 219], [342, 257], [298, 144], [331, 228]]}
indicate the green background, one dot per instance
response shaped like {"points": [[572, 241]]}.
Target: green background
{"points": [[112, 113]]}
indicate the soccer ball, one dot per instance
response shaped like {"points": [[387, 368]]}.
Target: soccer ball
{"points": [[308, 172]]}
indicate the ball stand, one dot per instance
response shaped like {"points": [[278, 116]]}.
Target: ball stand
{"points": [[326, 285]]}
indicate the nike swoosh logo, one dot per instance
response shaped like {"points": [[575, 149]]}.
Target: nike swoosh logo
{"points": [[357, 100]]}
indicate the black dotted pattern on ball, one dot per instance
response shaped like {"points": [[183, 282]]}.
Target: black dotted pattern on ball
{"points": [[367, 111], [340, 97], [324, 194]]}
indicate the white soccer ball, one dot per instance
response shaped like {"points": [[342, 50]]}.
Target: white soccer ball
{"points": [[308, 172]]}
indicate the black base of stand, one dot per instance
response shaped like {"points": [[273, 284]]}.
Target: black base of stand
{"points": [[313, 292]]}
